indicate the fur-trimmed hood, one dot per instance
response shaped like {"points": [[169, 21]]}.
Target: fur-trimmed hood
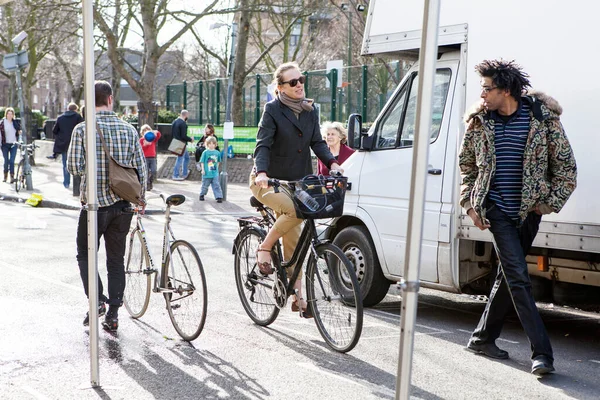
{"points": [[548, 106]]}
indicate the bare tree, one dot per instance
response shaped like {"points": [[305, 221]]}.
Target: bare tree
{"points": [[149, 16]]}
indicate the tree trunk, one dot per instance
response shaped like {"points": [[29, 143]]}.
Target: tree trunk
{"points": [[146, 108], [239, 73]]}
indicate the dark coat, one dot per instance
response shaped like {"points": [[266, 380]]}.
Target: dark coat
{"points": [[179, 130], [283, 142], [63, 128], [16, 124]]}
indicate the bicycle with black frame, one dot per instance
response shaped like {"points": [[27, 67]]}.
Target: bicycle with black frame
{"points": [[333, 292]]}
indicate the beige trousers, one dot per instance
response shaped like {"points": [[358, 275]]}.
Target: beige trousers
{"points": [[287, 225]]}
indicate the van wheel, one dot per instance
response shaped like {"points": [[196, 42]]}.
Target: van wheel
{"points": [[357, 245]]}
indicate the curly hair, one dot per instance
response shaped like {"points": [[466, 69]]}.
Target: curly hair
{"points": [[337, 126], [505, 75]]}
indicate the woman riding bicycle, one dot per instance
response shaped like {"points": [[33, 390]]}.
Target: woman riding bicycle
{"points": [[288, 130]]}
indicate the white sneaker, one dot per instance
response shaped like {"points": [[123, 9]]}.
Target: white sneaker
{"points": [[177, 179], [198, 167]]}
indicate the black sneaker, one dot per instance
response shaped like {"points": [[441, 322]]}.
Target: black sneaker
{"points": [[111, 321], [101, 312], [219, 200], [201, 198]]}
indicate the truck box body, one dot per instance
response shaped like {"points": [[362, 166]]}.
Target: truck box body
{"points": [[555, 43]]}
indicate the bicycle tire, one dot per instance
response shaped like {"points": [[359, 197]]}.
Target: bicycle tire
{"points": [[187, 303], [334, 297], [257, 299], [137, 276], [20, 181]]}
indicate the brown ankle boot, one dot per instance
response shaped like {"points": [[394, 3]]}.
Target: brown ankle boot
{"points": [[12, 178], [5, 176]]}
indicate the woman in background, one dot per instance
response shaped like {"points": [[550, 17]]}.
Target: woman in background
{"points": [[336, 137], [10, 129]]}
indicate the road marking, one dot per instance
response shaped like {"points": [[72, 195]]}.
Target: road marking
{"points": [[34, 393], [595, 361], [464, 330], [39, 277], [374, 388], [508, 341]]}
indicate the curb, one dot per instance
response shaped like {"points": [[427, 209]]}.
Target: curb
{"points": [[54, 204]]}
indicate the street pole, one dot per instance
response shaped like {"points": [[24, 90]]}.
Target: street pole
{"points": [[228, 121], [410, 277], [26, 166], [91, 180]]}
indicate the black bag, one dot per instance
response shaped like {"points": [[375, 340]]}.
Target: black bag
{"points": [[123, 180], [328, 191]]}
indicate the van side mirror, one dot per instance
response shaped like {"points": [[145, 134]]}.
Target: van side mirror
{"points": [[354, 131]]}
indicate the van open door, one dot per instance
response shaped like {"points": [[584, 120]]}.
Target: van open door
{"points": [[385, 176]]}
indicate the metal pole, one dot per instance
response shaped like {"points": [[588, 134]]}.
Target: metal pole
{"points": [[218, 102], [26, 166], [230, 69], [410, 282], [91, 166], [257, 107], [184, 105], [168, 97], [333, 83], [200, 102]]}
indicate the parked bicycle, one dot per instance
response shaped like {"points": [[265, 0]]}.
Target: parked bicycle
{"points": [[180, 279], [333, 293], [21, 174]]}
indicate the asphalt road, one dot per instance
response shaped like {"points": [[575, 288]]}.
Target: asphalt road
{"points": [[44, 350]]}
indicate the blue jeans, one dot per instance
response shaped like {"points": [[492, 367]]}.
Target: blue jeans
{"points": [[113, 224], [215, 184], [66, 174], [182, 159], [9, 152], [151, 166], [512, 288]]}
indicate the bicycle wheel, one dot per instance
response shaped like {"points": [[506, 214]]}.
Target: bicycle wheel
{"points": [[254, 289], [137, 276], [20, 181], [334, 297], [187, 302]]}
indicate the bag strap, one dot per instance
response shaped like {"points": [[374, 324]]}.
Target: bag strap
{"points": [[102, 140]]}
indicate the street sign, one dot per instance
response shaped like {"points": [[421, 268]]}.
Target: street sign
{"points": [[339, 65], [228, 130], [14, 61]]}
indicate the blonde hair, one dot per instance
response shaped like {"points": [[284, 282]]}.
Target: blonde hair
{"points": [[145, 128], [211, 139], [11, 110], [278, 74], [337, 126]]}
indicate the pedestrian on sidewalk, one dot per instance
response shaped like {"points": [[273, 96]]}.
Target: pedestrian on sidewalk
{"points": [[10, 130], [149, 139], [209, 164], [179, 131], [516, 165], [114, 214], [62, 131], [209, 130]]}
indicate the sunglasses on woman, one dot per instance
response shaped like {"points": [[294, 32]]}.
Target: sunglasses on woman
{"points": [[294, 82]]}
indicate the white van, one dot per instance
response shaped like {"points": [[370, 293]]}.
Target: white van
{"points": [[553, 41]]}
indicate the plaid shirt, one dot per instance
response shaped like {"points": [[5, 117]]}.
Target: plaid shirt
{"points": [[123, 143]]}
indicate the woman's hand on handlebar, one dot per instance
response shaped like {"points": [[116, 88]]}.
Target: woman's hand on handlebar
{"points": [[336, 170], [262, 180]]}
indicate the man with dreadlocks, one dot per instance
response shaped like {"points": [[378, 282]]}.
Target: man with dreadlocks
{"points": [[516, 165]]}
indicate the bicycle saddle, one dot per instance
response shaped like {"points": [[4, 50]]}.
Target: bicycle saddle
{"points": [[175, 199], [255, 203]]}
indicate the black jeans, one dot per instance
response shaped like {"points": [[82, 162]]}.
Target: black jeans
{"points": [[512, 243], [113, 224]]}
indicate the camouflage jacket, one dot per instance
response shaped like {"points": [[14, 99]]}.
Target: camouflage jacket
{"points": [[549, 169]]}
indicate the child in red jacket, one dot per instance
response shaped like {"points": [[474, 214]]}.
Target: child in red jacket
{"points": [[148, 140]]}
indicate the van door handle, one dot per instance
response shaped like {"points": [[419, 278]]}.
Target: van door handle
{"points": [[435, 171]]}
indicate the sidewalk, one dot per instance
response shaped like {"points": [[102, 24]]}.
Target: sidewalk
{"points": [[47, 177]]}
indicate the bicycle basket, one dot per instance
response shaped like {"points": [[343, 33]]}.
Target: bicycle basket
{"points": [[327, 194]]}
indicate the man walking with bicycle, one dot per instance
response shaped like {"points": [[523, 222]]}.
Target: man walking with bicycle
{"points": [[114, 215]]}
